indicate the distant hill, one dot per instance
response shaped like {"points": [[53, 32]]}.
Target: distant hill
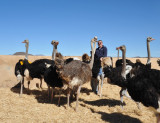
{"points": [[21, 53]]}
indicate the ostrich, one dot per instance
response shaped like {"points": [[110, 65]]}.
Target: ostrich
{"points": [[35, 69], [130, 65], [106, 62], [75, 73], [118, 75], [144, 87], [149, 39], [52, 78], [19, 70], [96, 78]]}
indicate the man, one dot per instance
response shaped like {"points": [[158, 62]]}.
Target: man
{"points": [[101, 52]]}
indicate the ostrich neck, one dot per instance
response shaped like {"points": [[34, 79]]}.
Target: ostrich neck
{"points": [[26, 55], [123, 73], [118, 53], [92, 56], [148, 50], [54, 52]]}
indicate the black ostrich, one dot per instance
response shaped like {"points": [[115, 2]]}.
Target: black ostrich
{"points": [[19, 70], [143, 86], [52, 78], [118, 74], [75, 73], [33, 70], [130, 65]]}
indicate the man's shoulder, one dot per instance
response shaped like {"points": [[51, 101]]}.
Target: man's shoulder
{"points": [[104, 47]]}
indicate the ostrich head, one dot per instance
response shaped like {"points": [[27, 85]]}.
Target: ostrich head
{"points": [[149, 39], [85, 58], [55, 43], [27, 45], [26, 42], [122, 48]]}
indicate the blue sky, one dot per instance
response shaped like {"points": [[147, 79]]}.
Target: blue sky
{"points": [[75, 22]]}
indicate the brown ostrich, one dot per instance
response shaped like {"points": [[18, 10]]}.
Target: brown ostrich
{"points": [[75, 73]]}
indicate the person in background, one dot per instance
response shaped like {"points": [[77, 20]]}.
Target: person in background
{"points": [[100, 52]]}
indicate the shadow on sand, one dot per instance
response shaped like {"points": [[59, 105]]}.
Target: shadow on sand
{"points": [[103, 102], [114, 117], [42, 95], [16, 89], [118, 118]]}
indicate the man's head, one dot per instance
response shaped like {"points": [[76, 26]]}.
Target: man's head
{"points": [[100, 43]]}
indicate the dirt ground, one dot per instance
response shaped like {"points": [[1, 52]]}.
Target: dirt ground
{"points": [[34, 105]]}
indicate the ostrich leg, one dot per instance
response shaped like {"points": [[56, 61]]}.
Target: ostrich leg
{"points": [[78, 92], [123, 92], [68, 96], [59, 98], [102, 78], [22, 84], [41, 83], [52, 95]]}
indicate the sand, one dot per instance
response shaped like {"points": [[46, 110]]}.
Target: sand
{"points": [[34, 105]]}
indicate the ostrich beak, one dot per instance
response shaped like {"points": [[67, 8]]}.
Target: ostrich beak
{"points": [[57, 43], [23, 42], [117, 48], [153, 39]]}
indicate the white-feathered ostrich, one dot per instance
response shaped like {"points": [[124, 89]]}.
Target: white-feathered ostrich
{"points": [[75, 73], [35, 69]]}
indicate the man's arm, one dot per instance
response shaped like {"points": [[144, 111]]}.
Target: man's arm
{"points": [[105, 52]]}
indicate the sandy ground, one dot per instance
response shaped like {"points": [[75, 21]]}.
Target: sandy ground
{"points": [[34, 105]]}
